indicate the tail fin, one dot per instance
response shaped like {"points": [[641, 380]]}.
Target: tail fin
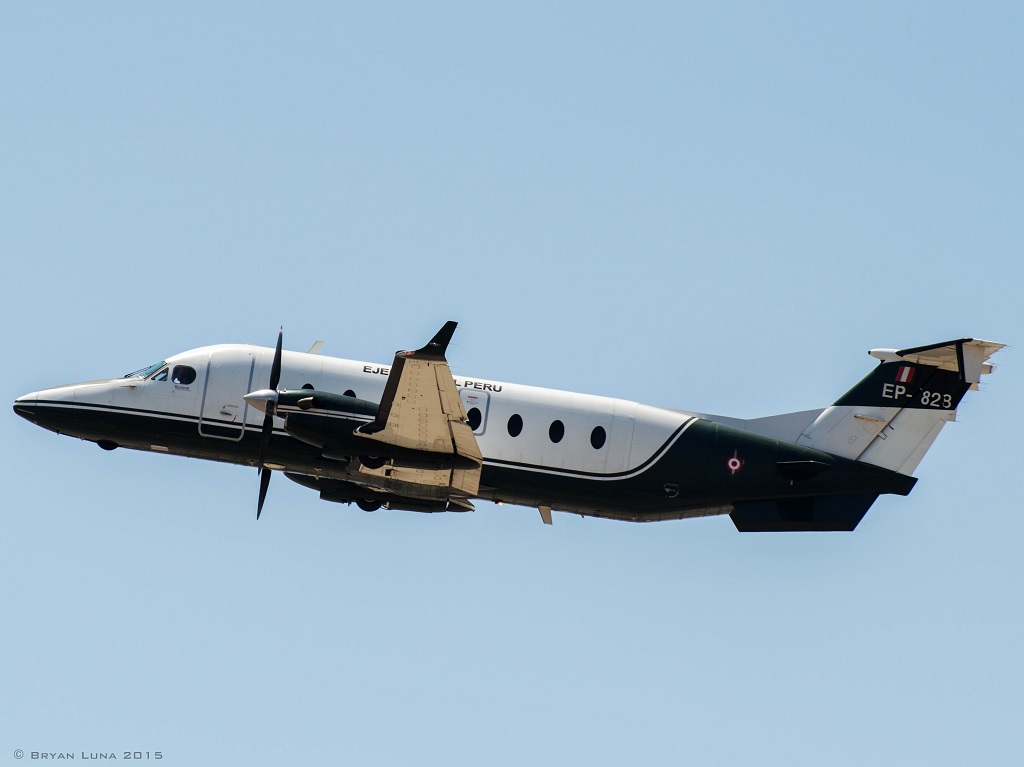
{"points": [[894, 414]]}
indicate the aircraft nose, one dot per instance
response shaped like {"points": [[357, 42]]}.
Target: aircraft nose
{"points": [[26, 406], [48, 408]]}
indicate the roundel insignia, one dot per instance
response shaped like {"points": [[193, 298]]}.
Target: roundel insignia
{"points": [[734, 463]]}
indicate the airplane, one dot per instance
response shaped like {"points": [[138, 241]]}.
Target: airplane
{"points": [[412, 436]]}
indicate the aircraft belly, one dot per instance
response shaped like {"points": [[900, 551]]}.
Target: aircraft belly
{"points": [[703, 472]]}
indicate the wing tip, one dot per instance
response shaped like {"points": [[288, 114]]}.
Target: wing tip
{"points": [[438, 345]]}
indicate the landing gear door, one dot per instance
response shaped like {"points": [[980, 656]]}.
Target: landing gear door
{"points": [[228, 380], [476, 403]]}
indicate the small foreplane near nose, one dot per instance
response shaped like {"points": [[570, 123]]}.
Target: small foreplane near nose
{"points": [[411, 436]]}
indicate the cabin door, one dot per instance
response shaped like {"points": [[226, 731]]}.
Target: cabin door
{"points": [[228, 380]]}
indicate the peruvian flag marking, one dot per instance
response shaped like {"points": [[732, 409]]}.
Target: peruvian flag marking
{"points": [[904, 374]]}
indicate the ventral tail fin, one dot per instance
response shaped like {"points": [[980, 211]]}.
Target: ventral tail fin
{"points": [[892, 416]]}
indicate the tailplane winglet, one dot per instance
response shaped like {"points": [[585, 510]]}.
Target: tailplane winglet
{"points": [[966, 356]]}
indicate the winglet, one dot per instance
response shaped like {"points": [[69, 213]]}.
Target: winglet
{"points": [[438, 345]]}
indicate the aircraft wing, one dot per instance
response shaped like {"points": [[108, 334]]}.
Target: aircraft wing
{"points": [[421, 412]]}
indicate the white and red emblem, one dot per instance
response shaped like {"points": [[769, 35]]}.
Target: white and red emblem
{"points": [[734, 463], [904, 374]]}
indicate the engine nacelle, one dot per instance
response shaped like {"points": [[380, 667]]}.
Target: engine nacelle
{"points": [[329, 421]]}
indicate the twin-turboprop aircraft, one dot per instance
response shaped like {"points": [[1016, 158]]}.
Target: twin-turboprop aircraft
{"points": [[413, 437]]}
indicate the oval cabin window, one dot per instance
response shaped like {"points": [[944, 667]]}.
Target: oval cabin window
{"points": [[597, 437], [515, 425], [474, 418], [556, 431]]}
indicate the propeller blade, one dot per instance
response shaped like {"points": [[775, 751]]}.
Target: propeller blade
{"points": [[264, 484], [275, 369], [268, 431], [268, 398]]}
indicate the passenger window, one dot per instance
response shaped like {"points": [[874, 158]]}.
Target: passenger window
{"points": [[475, 418], [515, 425], [597, 437], [183, 375], [161, 376], [350, 393], [556, 431]]}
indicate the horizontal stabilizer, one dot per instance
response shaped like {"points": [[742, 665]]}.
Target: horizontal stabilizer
{"points": [[968, 357]]}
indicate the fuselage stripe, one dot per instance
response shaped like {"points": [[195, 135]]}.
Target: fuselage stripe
{"points": [[494, 463], [629, 473], [159, 414]]}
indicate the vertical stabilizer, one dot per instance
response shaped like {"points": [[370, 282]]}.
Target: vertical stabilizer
{"points": [[892, 416]]}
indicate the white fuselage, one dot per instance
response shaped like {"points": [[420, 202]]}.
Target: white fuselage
{"points": [[368, 436], [599, 438]]}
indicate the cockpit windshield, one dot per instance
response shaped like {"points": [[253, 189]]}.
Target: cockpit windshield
{"points": [[145, 372]]}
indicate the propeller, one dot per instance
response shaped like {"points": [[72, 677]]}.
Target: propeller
{"points": [[266, 400]]}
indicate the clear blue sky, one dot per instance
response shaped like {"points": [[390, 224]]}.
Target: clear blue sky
{"points": [[716, 207]]}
